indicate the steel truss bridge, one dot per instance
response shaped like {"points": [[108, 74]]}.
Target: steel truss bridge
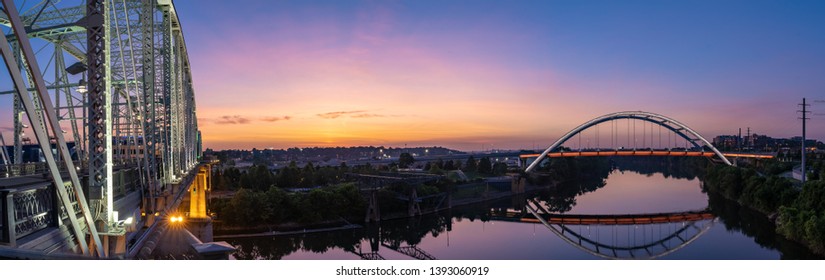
{"points": [[106, 90], [694, 143], [371, 184]]}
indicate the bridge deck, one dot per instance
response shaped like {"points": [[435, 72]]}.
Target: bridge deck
{"points": [[631, 219], [608, 153]]}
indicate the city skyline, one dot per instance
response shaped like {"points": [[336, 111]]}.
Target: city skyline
{"points": [[496, 75]]}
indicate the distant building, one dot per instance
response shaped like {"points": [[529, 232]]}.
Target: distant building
{"points": [[764, 143], [726, 142]]}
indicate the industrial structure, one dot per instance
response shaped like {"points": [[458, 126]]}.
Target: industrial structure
{"points": [[111, 79]]}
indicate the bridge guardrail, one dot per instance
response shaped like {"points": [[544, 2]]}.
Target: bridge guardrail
{"points": [[28, 168], [26, 210], [29, 209]]}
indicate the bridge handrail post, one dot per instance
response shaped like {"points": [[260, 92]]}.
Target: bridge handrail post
{"points": [[7, 220]]}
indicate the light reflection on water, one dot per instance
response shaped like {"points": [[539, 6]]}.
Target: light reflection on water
{"points": [[634, 193], [469, 232]]}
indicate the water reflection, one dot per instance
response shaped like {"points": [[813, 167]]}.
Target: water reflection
{"points": [[501, 229], [627, 236]]}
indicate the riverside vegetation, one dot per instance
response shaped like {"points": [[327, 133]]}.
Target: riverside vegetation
{"points": [[262, 198], [799, 212]]}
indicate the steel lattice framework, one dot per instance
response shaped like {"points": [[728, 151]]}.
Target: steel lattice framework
{"points": [[673, 125], [117, 83]]}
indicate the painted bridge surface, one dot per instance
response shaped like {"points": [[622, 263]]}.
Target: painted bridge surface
{"points": [[645, 153], [105, 88]]}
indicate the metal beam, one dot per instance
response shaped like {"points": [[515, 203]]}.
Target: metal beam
{"points": [[42, 136], [97, 64], [149, 142], [677, 128]]}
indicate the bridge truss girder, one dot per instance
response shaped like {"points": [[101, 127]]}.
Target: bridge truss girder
{"points": [[132, 107]]}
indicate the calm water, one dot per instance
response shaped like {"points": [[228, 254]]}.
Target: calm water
{"points": [[477, 232]]}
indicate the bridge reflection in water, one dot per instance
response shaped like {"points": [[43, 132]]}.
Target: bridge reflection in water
{"points": [[505, 228], [628, 236]]}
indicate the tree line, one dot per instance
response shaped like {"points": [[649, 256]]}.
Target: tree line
{"points": [[801, 212], [260, 178], [251, 208], [262, 197]]}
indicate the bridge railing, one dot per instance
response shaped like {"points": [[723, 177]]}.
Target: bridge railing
{"points": [[23, 169], [26, 210], [29, 168], [29, 209], [125, 181]]}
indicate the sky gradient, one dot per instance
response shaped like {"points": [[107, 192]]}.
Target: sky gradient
{"points": [[496, 74]]}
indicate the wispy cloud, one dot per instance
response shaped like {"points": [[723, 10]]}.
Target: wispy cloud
{"points": [[335, 115], [368, 115], [236, 119], [359, 114], [275, 119]]}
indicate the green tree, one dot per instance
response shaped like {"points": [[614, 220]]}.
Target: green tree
{"points": [[278, 204], [440, 163], [434, 169], [307, 176], [457, 165], [289, 177], [449, 165], [499, 168], [471, 165], [405, 160], [247, 208], [485, 166]]}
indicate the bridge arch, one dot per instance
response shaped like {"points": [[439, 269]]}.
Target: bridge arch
{"points": [[671, 124], [651, 250]]}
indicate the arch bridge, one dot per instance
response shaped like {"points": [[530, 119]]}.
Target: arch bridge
{"points": [[693, 138]]}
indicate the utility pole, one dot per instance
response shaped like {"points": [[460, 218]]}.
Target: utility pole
{"points": [[739, 141], [804, 117]]}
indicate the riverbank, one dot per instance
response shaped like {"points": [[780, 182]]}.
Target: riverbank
{"points": [[797, 215], [225, 232]]}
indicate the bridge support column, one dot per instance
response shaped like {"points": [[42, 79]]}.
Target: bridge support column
{"points": [[518, 185], [199, 223], [199, 192], [414, 209], [114, 242], [201, 228], [373, 212]]}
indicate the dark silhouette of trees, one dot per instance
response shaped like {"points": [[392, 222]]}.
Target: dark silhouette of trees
{"points": [[471, 165], [485, 166], [405, 160]]}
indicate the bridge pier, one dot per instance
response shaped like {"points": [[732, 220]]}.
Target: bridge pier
{"points": [[413, 209], [518, 185], [114, 242], [198, 221], [199, 192], [373, 211]]}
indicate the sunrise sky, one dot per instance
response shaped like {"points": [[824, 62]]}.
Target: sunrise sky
{"points": [[504, 74]]}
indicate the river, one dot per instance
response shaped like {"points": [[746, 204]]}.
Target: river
{"points": [[500, 230]]}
